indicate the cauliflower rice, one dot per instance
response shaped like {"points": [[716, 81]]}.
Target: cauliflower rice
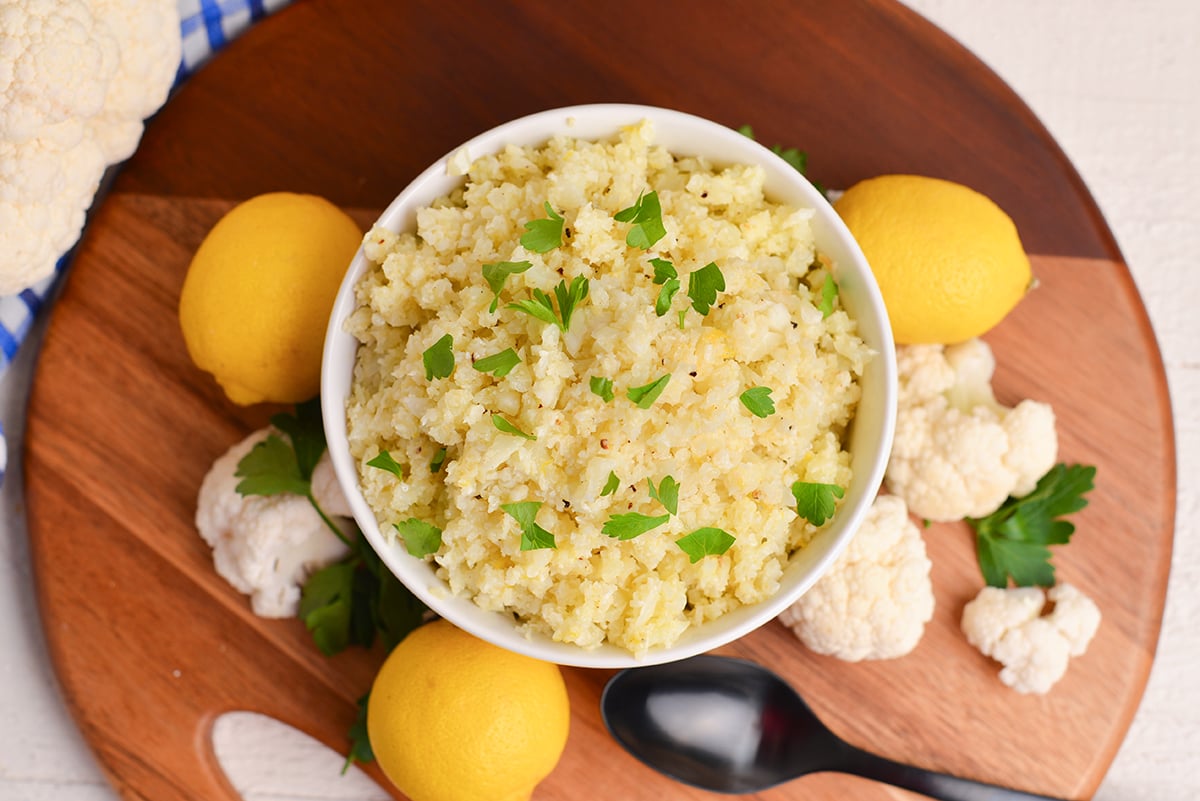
{"points": [[734, 469]]}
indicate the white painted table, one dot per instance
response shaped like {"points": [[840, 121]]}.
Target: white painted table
{"points": [[1117, 82]]}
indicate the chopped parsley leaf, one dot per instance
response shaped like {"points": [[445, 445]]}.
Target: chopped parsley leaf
{"points": [[498, 272], [570, 297], [662, 304], [420, 538], [602, 387], [666, 493], [498, 364], [703, 286], [541, 305], [758, 401], [631, 524], [533, 536], [439, 359], [829, 291], [384, 461], [611, 485], [645, 396], [705, 541], [544, 235], [663, 271], [508, 428], [815, 501], [646, 216]]}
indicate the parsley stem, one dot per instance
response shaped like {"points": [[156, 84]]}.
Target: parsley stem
{"points": [[332, 525]]}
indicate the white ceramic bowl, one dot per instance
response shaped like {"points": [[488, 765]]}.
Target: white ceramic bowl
{"points": [[871, 435]]}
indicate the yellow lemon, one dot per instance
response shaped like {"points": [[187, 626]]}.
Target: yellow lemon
{"points": [[948, 260], [453, 718], [258, 293]]}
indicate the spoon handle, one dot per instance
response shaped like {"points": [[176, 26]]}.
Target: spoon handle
{"points": [[940, 786]]}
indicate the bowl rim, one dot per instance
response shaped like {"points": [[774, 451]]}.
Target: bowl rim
{"points": [[594, 121]]}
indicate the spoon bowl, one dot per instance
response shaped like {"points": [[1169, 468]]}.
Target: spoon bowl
{"points": [[732, 726]]}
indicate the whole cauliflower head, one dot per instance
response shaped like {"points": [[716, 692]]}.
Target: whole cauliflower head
{"points": [[150, 47], [46, 186], [1035, 648], [56, 61], [76, 80], [266, 546], [957, 452], [876, 598]]}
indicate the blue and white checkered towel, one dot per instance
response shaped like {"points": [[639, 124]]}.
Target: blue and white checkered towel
{"points": [[206, 26]]}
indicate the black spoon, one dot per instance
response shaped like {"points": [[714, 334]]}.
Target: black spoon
{"points": [[732, 726]]}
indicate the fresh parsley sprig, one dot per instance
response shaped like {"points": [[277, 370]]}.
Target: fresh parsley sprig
{"points": [[646, 216], [541, 306], [276, 467], [352, 601], [1012, 541], [793, 156], [797, 158], [360, 740]]}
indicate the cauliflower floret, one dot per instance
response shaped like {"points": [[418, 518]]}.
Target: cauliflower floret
{"points": [[876, 599], [1008, 625], [957, 452], [266, 546]]}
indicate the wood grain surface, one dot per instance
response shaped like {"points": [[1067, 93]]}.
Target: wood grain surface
{"points": [[352, 100]]}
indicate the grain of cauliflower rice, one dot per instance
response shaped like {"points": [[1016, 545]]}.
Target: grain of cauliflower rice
{"points": [[734, 469]]}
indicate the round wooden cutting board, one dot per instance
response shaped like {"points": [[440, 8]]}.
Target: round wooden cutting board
{"points": [[351, 101]]}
